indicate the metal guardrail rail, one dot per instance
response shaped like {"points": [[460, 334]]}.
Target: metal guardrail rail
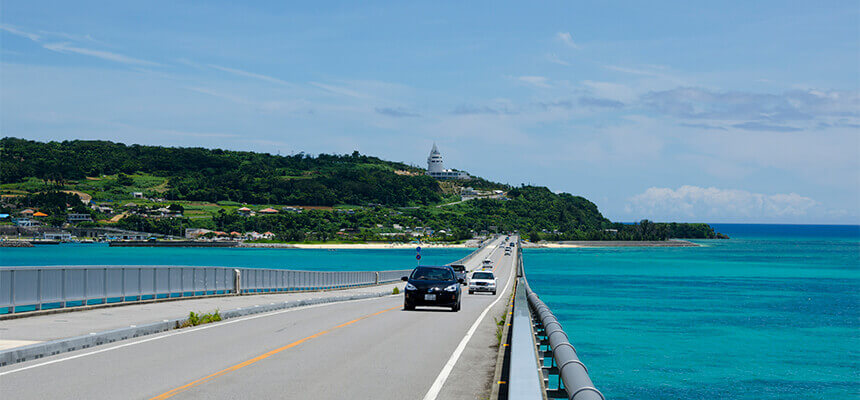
{"points": [[475, 252], [25, 289], [547, 340]]}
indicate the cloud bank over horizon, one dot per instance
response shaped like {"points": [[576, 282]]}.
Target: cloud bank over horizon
{"points": [[729, 205]]}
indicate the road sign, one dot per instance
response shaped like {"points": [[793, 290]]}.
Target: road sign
{"points": [[418, 256], [418, 249]]}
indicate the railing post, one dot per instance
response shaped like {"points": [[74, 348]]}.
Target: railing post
{"points": [[86, 283], [63, 287], [237, 281], [39, 288], [12, 290]]}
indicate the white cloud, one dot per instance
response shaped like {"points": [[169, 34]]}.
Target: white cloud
{"points": [[17, 32], [613, 91], [556, 60], [247, 74], [698, 202], [340, 90], [539, 81], [105, 55], [567, 39]]}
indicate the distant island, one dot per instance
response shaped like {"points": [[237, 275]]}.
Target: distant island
{"points": [[205, 194]]}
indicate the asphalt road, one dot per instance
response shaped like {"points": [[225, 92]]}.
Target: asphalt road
{"points": [[360, 349]]}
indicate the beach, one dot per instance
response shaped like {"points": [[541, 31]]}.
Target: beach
{"points": [[356, 246]]}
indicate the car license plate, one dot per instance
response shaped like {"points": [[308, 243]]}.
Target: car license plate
{"points": [[430, 297]]}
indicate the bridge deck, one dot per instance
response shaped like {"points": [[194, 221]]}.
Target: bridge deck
{"points": [[359, 349]]}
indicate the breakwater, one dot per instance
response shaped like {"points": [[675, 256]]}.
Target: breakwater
{"points": [[172, 243]]}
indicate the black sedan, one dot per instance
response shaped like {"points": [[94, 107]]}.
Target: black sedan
{"points": [[432, 286]]}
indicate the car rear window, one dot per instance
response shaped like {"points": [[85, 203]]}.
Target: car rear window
{"points": [[432, 274], [458, 268], [482, 275]]}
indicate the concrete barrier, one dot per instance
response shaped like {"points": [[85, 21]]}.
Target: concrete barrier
{"points": [[54, 347]]}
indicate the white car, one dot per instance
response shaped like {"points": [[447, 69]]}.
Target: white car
{"points": [[482, 281], [487, 264]]}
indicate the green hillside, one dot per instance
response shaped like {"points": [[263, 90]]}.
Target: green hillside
{"points": [[345, 196]]}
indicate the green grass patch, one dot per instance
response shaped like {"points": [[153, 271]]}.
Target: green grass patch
{"points": [[195, 319]]}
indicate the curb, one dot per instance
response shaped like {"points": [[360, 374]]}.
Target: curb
{"points": [[58, 346]]}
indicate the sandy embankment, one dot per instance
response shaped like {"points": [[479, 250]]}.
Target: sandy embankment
{"points": [[337, 246]]}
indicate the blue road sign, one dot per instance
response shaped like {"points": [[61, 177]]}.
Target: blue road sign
{"points": [[418, 256], [418, 249]]}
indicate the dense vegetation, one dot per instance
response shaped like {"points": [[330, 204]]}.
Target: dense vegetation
{"points": [[216, 175], [379, 198]]}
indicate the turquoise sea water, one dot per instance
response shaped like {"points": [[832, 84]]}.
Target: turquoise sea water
{"points": [[302, 259], [770, 314]]}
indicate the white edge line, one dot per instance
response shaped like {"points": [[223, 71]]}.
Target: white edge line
{"points": [[449, 366], [184, 331]]}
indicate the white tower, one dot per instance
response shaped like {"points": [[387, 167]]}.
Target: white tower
{"points": [[434, 161]]}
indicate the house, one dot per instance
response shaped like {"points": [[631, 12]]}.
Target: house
{"points": [[469, 192], [79, 218], [25, 222], [137, 195], [58, 235], [268, 235], [245, 212], [39, 214], [292, 209], [27, 213], [102, 209], [268, 211], [192, 233]]}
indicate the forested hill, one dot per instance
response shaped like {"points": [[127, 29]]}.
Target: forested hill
{"points": [[223, 175], [377, 193]]}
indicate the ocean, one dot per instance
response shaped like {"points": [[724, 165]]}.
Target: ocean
{"points": [[770, 314], [300, 259]]}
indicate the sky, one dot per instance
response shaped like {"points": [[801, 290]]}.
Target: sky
{"points": [[730, 111]]}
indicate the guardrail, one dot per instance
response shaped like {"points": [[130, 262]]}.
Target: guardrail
{"points": [[474, 253], [25, 289], [537, 335]]}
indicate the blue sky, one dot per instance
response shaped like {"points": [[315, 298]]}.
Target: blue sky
{"points": [[713, 111]]}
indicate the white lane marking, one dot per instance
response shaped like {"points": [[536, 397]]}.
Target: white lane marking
{"points": [[449, 366], [184, 331]]}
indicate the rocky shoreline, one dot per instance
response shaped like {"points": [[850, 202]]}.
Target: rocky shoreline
{"points": [[15, 243]]}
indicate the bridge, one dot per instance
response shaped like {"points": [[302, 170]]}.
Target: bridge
{"points": [[286, 334]]}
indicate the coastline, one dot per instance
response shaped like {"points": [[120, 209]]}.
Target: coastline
{"points": [[577, 244], [352, 246]]}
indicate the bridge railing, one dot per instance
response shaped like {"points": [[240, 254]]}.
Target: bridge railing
{"points": [[474, 252], [25, 289], [538, 337]]}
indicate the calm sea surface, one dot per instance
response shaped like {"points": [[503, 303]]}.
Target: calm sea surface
{"points": [[770, 314], [304, 259]]}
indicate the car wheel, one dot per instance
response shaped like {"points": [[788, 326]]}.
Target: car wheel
{"points": [[471, 292], [409, 307], [494, 292]]}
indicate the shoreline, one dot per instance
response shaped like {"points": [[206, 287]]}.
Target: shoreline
{"points": [[585, 244], [351, 246]]}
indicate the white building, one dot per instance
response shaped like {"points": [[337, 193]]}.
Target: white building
{"points": [[436, 168]]}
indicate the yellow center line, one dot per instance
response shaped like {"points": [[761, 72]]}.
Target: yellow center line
{"points": [[261, 357]]}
